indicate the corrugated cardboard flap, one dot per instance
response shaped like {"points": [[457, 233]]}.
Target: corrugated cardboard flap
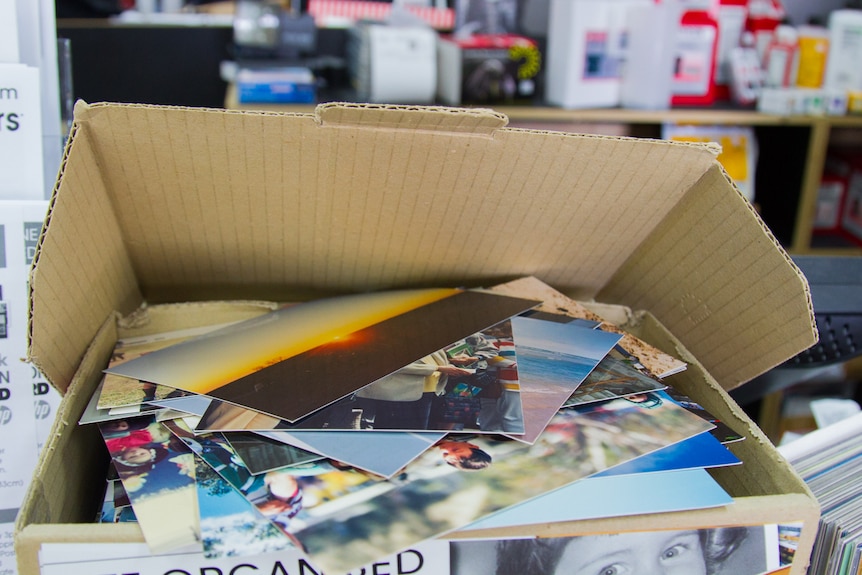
{"points": [[81, 272], [714, 274], [173, 204]]}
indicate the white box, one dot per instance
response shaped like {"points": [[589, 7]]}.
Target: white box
{"points": [[586, 51], [394, 65]]}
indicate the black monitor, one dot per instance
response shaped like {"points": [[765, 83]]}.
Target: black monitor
{"points": [[836, 293]]}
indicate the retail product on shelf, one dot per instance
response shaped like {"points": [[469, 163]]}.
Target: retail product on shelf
{"points": [[393, 64], [839, 198], [487, 69], [696, 51], [284, 85], [845, 51], [586, 52]]}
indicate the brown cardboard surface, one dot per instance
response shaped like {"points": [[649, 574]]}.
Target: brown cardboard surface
{"points": [[61, 506], [161, 204], [714, 308], [173, 204]]}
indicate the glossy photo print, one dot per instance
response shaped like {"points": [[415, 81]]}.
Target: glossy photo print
{"points": [[296, 360], [615, 376], [736, 550], [554, 359], [157, 472], [484, 471], [119, 391], [230, 523]]}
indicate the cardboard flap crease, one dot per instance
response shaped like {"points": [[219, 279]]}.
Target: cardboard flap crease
{"points": [[166, 204]]}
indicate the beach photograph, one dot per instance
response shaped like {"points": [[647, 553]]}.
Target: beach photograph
{"points": [[553, 361]]}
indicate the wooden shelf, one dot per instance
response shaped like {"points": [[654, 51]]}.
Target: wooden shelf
{"points": [[676, 116]]}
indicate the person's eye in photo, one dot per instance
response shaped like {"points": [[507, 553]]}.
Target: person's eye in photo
{"points": [[615, 569], [683, 546], [652, 553]]}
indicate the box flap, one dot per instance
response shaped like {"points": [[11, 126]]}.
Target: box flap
{"points": [[175, 204], [81, 272], [714, 274]]}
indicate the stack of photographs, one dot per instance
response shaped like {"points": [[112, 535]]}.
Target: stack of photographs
{"points": [[369, 423], [828, 459]]}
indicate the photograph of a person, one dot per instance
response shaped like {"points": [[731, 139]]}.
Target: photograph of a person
{"points": [[462, 479], [215, 450], [722, 431], [157, 472], [738, 550], [280, 494], [479, 370]]}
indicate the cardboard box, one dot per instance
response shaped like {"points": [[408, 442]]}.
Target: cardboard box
{"points": [[159, 205]]}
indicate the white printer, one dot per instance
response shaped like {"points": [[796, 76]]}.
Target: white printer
{"points": [[393, 64]]}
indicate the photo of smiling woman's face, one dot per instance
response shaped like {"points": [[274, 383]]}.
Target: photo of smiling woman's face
{"points": [[653, 553]]}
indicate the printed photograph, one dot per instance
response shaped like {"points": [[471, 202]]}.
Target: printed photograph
{"points": [[553, 361], [215, 450], [457, 482], [743, 550], [230, 524], [92, 414], [471, 385], [119, 391], [386, 455], [108, 508], [721, 431], [220, 416], [157, 472], [597, 496], [290, 363], [615, 376], [262, 454], [701, 451], [656, 361], [278, 494], [788, 542]]}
